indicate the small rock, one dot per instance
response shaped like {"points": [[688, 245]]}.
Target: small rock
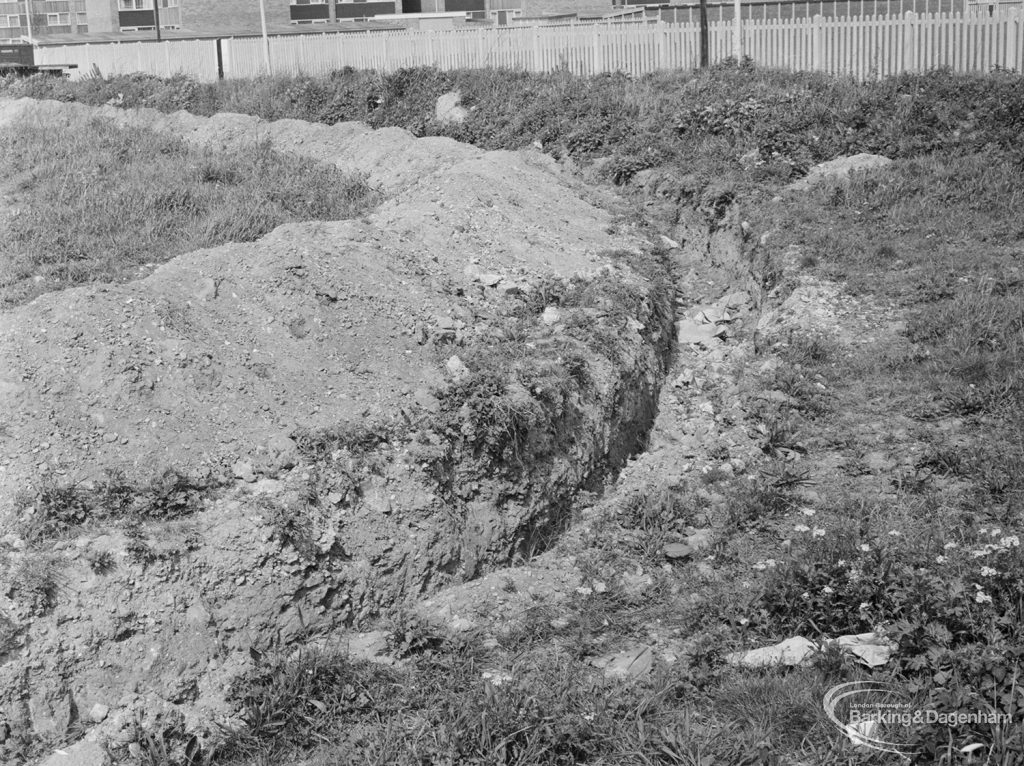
{"points": [[98, 712], [698, 539], [84, 754], [551, 315], [559, 623], [426, 400], [840, 168], [684, 379], [445, 322], [510, 288], [243, 470], [456, 368], [629, 663], [671, 244], [690, 332], [371, 646], [489, 280], [448, 108], [207, 290], [735, 300], [678, 551]]}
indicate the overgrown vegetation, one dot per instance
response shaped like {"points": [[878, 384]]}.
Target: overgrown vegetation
{"points": [[53, 509], [85, 206], [780, 123]]}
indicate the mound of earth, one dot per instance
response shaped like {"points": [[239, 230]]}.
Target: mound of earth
{"points": [[384, 406]]}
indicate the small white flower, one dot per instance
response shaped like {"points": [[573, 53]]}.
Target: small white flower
{"points": [[949, 546], [982, 597], [995, 532], [988, 572], [895, 533], [818, 532], [865, 547], [827, 591], [1009, 542], [982, 551], [808, 511], [805, 595], [940, 559], [864, 606], [801, 528], [841, 563]]}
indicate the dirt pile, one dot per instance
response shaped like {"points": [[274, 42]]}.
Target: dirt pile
{"points": [[385, 406]]}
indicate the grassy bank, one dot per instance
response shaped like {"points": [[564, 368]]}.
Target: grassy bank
{"points": [[91, 201], [703, 123]]}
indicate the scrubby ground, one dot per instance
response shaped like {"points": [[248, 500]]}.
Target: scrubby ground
{"points": [[840, 453]]}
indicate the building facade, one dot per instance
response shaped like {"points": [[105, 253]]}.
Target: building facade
{"points": [[106, 19]]}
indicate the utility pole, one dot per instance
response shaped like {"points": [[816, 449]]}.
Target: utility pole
{"points": [[704, 34], [266, 40], [28, 17], [156, 18]]}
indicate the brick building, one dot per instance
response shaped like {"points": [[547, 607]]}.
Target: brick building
{"points": [[70, 20]]}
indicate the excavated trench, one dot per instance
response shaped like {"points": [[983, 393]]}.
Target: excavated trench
{"points": [[408, 439]]}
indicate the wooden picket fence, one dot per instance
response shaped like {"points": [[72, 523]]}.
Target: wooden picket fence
{"points": [[860, 47]]}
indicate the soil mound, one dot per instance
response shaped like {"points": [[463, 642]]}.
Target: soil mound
{"points": [[387, 405]]}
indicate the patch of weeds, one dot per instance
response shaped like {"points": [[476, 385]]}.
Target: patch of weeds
{"points": [[53, 509], [780, 436], [412, 635], [291, 527], [292, 702], [137, 547], [164, 742], [758, 503], [359, 440], [100, 562], [34, 582]]}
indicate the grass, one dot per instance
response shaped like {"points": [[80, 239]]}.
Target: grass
{"points": [[86, 208]]}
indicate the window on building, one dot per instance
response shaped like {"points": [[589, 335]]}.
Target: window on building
{"points": [[82, 18], [58, 19], [14, 21]]}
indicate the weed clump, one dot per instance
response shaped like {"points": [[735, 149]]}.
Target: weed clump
{"points": [[53, 509]]}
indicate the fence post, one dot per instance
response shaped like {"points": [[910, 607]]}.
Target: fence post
{"points": [[910, 28], [535, 35], [598, 58], [662, 46], [819, 43], [737, 32]]}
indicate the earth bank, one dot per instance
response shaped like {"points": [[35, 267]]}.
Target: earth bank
{"points": [[341, 447]]}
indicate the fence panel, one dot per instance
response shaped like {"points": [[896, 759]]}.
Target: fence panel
{"points": [[861, 47], [195, 58]]}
